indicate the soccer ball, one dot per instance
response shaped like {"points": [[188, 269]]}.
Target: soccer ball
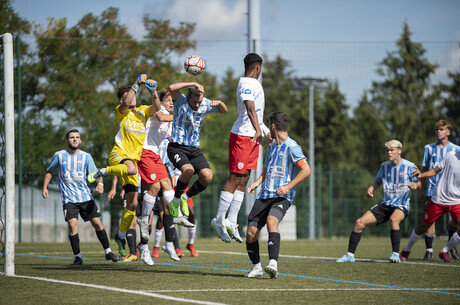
{"points": [[194, 65]]}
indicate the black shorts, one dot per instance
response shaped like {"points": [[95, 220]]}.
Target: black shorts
{"points": [[263, 208], [87, 210], [158, 207], [383, 212], [182, 154]]}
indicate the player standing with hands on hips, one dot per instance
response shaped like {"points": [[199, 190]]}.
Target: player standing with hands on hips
{"points": [[72, 166], [285, 167]]}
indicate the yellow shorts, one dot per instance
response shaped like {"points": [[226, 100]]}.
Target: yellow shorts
{"points": [[115, 157]]}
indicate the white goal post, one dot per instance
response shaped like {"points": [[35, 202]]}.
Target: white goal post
{"points": [[8, 77]]}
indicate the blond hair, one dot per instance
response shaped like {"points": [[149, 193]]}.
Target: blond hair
{"points": [[393, 144]]}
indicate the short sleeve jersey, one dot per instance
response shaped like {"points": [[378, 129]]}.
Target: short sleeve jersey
{"points": [[431, 157], [131, 135], [72, 171], [156, 132], [249, 89], [281, 168], [447, 189], [187, 122], [394, 180]]}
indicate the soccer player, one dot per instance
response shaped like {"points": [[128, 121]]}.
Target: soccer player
{"points": [[445, 199], [72, 166], [184, 148], [243, 148], [285, 167], [126, 153], [434, 153], [396, 176]]}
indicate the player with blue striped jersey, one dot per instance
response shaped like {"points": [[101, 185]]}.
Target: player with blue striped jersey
{"points": [[285, 167], [397, 179], [184, 148], [434, 153], [73, 166]]}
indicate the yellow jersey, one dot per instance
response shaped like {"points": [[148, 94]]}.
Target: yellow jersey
{"points": [[131, 135]]}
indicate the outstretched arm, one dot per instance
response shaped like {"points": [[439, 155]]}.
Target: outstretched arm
{"points": [[219, 104], [175, 88]]}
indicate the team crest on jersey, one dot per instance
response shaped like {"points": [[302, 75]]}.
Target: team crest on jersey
{"points": [[140, 112], [240, 165], [247, 91], [153, 177]]}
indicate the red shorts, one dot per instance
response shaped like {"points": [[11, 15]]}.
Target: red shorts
{"points": [[242, 154], [434, 211], [151, 168]]}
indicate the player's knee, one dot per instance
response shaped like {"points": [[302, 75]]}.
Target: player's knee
{"points": [[206, 176]]}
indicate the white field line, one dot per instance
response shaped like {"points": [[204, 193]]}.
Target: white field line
{"points": [[439, 264], [295, 289], [116, 289]]}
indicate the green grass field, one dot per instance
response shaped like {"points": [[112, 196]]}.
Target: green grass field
{"points": [[308, 275]]}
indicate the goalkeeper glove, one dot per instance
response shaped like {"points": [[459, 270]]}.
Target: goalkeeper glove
{"points": [[151, 85], [139, 81]]}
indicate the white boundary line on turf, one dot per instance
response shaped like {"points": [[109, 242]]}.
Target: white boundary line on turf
{"points": [[295, 289], [440, 264], [139, 292]]}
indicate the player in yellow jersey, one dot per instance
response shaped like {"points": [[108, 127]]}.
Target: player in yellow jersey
{"points": [[127, 150]]}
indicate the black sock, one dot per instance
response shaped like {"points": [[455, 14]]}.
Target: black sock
{"points": [[131, 238], [180, 188], [274, 241], [196, 188], [176, 240], [395, 240], [75, 243], [354, 241], [102, 236], [253, 252], [169, 228], [429, 241]]}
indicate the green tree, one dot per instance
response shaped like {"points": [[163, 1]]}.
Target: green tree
{"points": [[451, 105], [404, 99]]}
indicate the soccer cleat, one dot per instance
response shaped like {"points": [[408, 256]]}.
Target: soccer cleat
{"points": [[169, 248], [221, 231], [184, 206], [94, 175], [428, 256], [131, 258], [272, 271], [174, 208], [77, 261], [404, 256], [146, 257], [454, 253], [232, 230], [255, 271], [346, 259], [156, 252], [121, 245], [191, 248], [183, 221], [394, 258], [111, 257], [445, 257], [144, 228], [179, 253]]}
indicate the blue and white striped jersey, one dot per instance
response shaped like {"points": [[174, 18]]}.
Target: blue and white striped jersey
{"points": [[162, 151], [394, 180], [281, 168], [72, 171], [187, 122], [431, 157]]}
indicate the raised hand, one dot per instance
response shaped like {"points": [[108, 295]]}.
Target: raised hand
{"points": [[151, 85], [141, 79]]}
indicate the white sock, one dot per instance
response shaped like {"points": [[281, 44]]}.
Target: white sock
{"points": [[224, 203], [453, 241], [121, 235], [108, 250], [186, 197], [147, 206], [191, 235], [78, 255], [158, 234], [273, 262], [412, 240], [235, 206], [168, 196], [351, 254]]}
